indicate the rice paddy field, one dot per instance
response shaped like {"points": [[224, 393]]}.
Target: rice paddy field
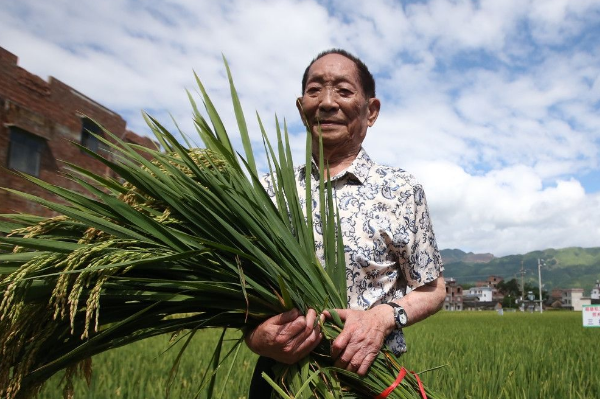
{"points": [[485, 355]]}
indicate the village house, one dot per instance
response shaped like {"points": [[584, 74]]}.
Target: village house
{"points": [[492, 282], [39, 122], [454, 296], [573, 299], [595, 294], [485, 296], [481, 294], [480, 298], [556, 297]]}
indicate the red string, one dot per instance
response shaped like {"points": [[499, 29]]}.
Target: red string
{"points": [[389, 389], [401, 375], [423, 394]]}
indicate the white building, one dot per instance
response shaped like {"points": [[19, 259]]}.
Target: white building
{"points": [[596, 291], [573, 298], [483, 294]]}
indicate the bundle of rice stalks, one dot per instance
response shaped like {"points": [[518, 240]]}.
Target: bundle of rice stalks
{"points": [[190, 240]]}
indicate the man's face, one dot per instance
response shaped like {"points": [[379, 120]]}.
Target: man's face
{"points": [[334, 102]]}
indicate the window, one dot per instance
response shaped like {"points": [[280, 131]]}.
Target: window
{"points": [[88, 140], [25, 151]]}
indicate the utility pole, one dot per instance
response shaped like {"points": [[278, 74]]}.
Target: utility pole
{"points": [[540, 282], [522, 287]]}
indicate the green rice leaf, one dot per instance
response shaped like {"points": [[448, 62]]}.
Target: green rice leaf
{"points": [[239, 115], [42, 245], [217, 123]]}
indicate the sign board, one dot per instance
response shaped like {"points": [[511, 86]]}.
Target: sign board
{"points": [[591, 315]]}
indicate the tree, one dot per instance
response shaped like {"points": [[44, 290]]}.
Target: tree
{"points": [[510, 287], [513, 288]]}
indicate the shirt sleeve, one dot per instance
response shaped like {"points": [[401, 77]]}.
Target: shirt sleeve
{"points": [[422, 261]]}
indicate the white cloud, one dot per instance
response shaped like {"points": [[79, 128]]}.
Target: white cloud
{"points": [[458, 25], [508, 210], [492, 104], [553, 20]]}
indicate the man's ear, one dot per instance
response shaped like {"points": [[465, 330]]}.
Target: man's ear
{"points": [[301, 111], [374, 106]]}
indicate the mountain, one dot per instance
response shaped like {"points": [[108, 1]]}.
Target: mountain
{"points": [[563, 268], [456, 255]]}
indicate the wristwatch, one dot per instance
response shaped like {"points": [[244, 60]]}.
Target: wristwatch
{"points": [[400, 317]]}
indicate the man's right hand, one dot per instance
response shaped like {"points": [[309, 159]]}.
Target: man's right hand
{"points": [[287, 337]]}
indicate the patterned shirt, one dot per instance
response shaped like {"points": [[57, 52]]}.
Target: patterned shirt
{"points": [[388, 238]]}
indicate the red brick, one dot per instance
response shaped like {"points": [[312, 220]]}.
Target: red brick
{"points": [[51, 110]]}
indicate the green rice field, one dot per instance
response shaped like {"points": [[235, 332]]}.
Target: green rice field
{"points": [[485, 355]]}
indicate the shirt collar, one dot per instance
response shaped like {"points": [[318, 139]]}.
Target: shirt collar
{"points": [[357, 171]]}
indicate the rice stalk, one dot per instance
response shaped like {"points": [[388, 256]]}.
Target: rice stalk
{"points": [[190, 240]]}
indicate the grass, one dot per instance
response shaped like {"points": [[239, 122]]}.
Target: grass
{"points": [[141, 370], [516, 356]]}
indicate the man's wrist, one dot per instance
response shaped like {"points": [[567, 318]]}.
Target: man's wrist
{"points": [[400, 316]]}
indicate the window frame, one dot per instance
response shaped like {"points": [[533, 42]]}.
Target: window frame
{"points": [[87, 138], [32, 146]]}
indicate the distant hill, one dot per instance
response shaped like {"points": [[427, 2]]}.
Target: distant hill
{"points": [[565, 268], [456, 255]]}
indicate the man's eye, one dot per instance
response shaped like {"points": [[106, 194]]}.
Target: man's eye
{"points": [[344, 92], [312, 90]]}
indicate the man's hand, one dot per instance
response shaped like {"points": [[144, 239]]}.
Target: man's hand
{"points": [[287, 337], [364, 331], [361, 339]]}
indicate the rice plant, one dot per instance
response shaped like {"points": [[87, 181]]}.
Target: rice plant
{"points": [[487, 356], [186, 239], [517, 355]]}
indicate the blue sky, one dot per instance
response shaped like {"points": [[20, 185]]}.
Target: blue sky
{"points": [[493, 105]]}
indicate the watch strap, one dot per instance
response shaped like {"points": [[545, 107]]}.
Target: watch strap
{"points": [[398, 311]]}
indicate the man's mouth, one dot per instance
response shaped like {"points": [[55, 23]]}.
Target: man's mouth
{"points": [[327, 122]]}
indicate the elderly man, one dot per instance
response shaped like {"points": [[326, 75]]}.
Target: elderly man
{"points": [[393, 266]]}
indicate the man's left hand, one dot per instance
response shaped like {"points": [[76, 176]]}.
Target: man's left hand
{"points": [[364, 331]]}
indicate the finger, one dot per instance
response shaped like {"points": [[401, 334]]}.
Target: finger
{"points": [[343, 313], [354, 364], [287, 317], [311, 317], [297, 329], [310, 343], [366, 364], [300, 346], [339, 346], [355, 360], [314, 321], [322, 318], [337, 315], [345, 359]]}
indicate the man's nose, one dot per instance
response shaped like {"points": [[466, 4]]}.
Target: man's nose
{"points": [[328, 100]]}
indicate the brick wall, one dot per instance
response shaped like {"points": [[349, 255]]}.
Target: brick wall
{"points": [[52, 111]]}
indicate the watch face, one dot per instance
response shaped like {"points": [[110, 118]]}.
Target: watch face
{"points": [[402, 318]]}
